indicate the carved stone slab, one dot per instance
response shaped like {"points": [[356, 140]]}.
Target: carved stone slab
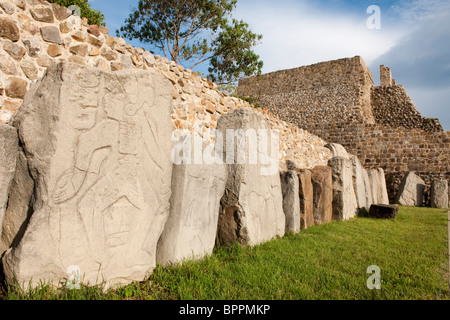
{"points": [[291, 200], [190, 231], [8, 158], [322, 181], [439, 194], [378, 186], [344, 198], [361, 185], [382, 188], [411, 191], [20, 199], [306, 196], [252, 207], [373, 180], [98, 146], [338, 150]]}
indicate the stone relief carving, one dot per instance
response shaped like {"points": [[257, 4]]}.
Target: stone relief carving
{"points": [[109, 180]]}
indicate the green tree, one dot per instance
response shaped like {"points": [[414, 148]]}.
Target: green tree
{"points": [[192, 32], [94, 16], [232, 54]]}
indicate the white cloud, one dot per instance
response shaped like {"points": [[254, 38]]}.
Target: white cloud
{"points": [[421, 63], [414, 41], [297, 33], [417, 10]]}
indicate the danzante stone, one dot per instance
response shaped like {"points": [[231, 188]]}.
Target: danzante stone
{"points": [[190, 231], [344, 198], [291, 200], [98, 149], [252, 207], [411, 191], [322, 181]]}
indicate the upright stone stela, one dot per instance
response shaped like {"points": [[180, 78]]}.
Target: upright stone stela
{"points": [[9, 151], [322, 181], [306, 195], [439, 194], [252, 207], [344, 198], [98, 146], [291, 200], [190, 231], [411, 190]]}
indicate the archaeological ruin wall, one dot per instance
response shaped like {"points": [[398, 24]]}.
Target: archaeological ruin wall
{"points": [[34, 34], [316, 95], [88, 126], [95, 176], [338, 101]]}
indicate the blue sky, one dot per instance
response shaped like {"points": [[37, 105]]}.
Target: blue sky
{"points": [[414, 39]]}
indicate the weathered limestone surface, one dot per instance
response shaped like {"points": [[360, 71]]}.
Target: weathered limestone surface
{"points": [[361, 185], [190, 231], [369, 199], [20, 203], [337, 150], [411, 191], [98, 150], [291, 200], [381, 211], [306, 196], [252, 207], [31, 43], [373, 180], [383, 197], [439, 194], [322, 181], [8, 158], [378, 186], [9, 29], [344, 199]]}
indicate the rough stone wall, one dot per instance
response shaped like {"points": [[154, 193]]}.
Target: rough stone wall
{"points": [[34, 34], [392, 107], [314, 96], [386, 76], [380, 125]]}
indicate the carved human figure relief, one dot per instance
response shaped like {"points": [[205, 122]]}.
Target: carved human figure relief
{"points": [[107, 167], [104, 195]]}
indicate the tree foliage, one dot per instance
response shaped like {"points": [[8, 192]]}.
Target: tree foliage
{"points": [[195, 31], [94, 16], [233, 56]]}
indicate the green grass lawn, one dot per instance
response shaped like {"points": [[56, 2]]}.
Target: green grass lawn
{"points": [[323, 262]]}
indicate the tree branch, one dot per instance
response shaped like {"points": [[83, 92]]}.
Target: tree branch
{"points": [[190, 31], [201, 61]]}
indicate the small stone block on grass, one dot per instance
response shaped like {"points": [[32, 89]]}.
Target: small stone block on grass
{"points": [[383, 212]]}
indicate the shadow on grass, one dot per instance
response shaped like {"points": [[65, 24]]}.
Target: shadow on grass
{"points": [[363, 213]]}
